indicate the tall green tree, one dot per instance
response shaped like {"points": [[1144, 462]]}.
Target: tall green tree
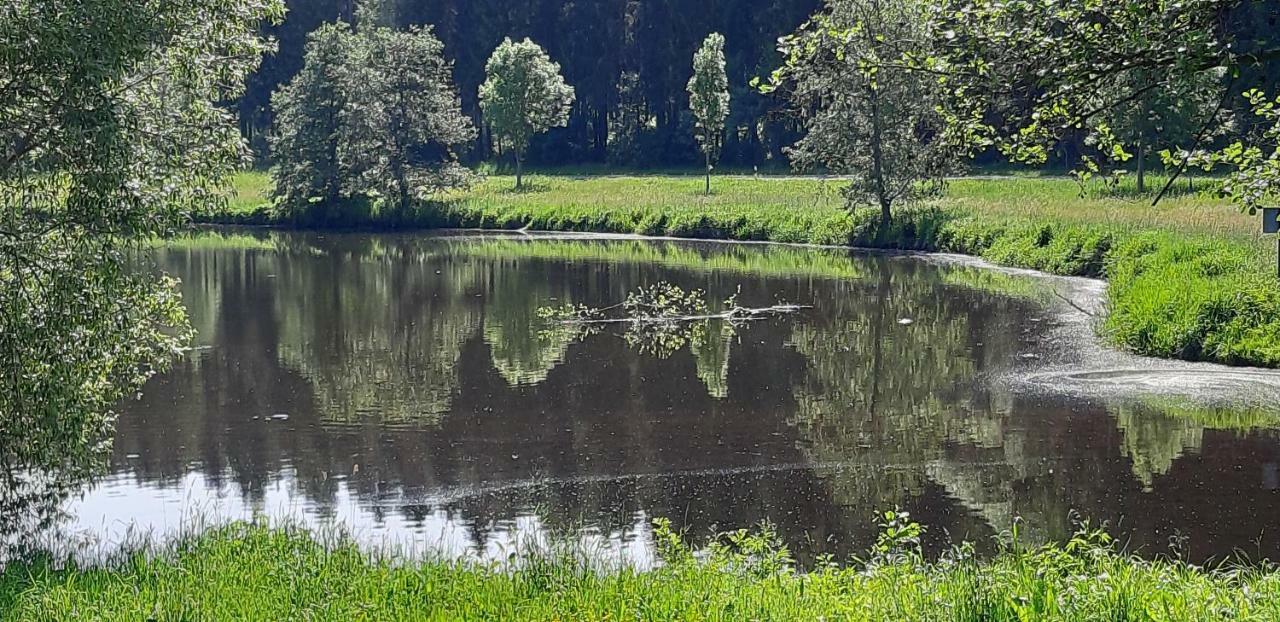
{"points": [[311, 147], [524, 96], [112, 130], [406, 117], [373, 115], [255, 109], [863, 116], [709, 99]]}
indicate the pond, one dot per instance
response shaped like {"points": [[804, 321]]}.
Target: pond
{"points": [[407, 388]]}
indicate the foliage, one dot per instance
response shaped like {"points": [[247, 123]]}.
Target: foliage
{"points": [[113, 131], [372, 115], [665, 301], [254, 572], [864, 116], [314, 168], [524, 96], [623, 58], [709, 98], [1255, 166], [1027, 75], [1162, 119], [407, 118]]}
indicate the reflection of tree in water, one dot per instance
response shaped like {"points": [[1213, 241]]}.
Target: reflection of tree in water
{"points": [[908, 407], [1154, 441], [523, 347], [377, 328], [711, 349], [894, 380]]}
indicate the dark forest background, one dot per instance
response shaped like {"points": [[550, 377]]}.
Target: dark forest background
{"points": [[629, 61]]}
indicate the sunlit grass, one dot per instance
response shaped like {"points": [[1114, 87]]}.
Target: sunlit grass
{"points": [[251, 572], [250, 191]]}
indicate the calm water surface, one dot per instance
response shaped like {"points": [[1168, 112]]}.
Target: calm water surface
{"points": [[405, 387]]}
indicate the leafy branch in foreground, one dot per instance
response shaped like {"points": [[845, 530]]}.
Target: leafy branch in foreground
{"points": [[1026, 77], [114, 131]]}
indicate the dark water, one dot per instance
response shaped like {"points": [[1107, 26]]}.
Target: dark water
{"points": [[404, 386]]}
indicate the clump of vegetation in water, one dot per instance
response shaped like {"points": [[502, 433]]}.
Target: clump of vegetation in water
{"points": [[665, 301], [661, 319]]}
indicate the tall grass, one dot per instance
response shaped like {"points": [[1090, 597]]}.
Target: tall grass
{"points": [[1190, 279], [252, 572]]}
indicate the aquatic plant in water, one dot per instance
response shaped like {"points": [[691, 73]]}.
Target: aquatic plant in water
{"points": [[661, 319]]}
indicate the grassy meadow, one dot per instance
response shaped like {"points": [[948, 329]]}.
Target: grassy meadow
{"points": [[1190, 279], [252, 572]]}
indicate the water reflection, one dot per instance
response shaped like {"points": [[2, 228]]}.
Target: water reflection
{"points": [[404, 386]]}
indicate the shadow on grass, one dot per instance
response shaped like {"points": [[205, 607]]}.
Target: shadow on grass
{"points": [[1128, 189], [529, 187]]}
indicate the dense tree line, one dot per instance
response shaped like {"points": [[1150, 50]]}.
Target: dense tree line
{"points": [[627, 60]]}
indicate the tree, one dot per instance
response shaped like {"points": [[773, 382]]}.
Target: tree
{"points": [[372, 114], [709, 99], [523, 96], [406, 118], [1069, 66], [255, 110], [114, 130], [1165, 118], [864, 117], [310, 144]]}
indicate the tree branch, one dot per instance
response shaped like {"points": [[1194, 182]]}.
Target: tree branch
{"points": [[1200, 136]]}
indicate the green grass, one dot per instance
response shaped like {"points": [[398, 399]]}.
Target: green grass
{"points": [[251, 191], [251, 572], [1191, 279]]}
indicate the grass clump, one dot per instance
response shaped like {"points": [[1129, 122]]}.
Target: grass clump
{"points": [[252, 572], [1190, 279]]}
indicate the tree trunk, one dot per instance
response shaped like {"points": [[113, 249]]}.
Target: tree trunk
{"points": [[708, 174], [519, 171], [402, 185], [1142, 162], [601, 127], [877, 167]]}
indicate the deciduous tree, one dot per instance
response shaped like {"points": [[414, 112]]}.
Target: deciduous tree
{"points": [[406, 118], [373, 115], [112, 130], [864, 115], [523, 96], [311, 144], [709, 99]]}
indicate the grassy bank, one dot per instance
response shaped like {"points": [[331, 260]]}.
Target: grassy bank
{"points": [[1190, 279], [248, 572]]}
